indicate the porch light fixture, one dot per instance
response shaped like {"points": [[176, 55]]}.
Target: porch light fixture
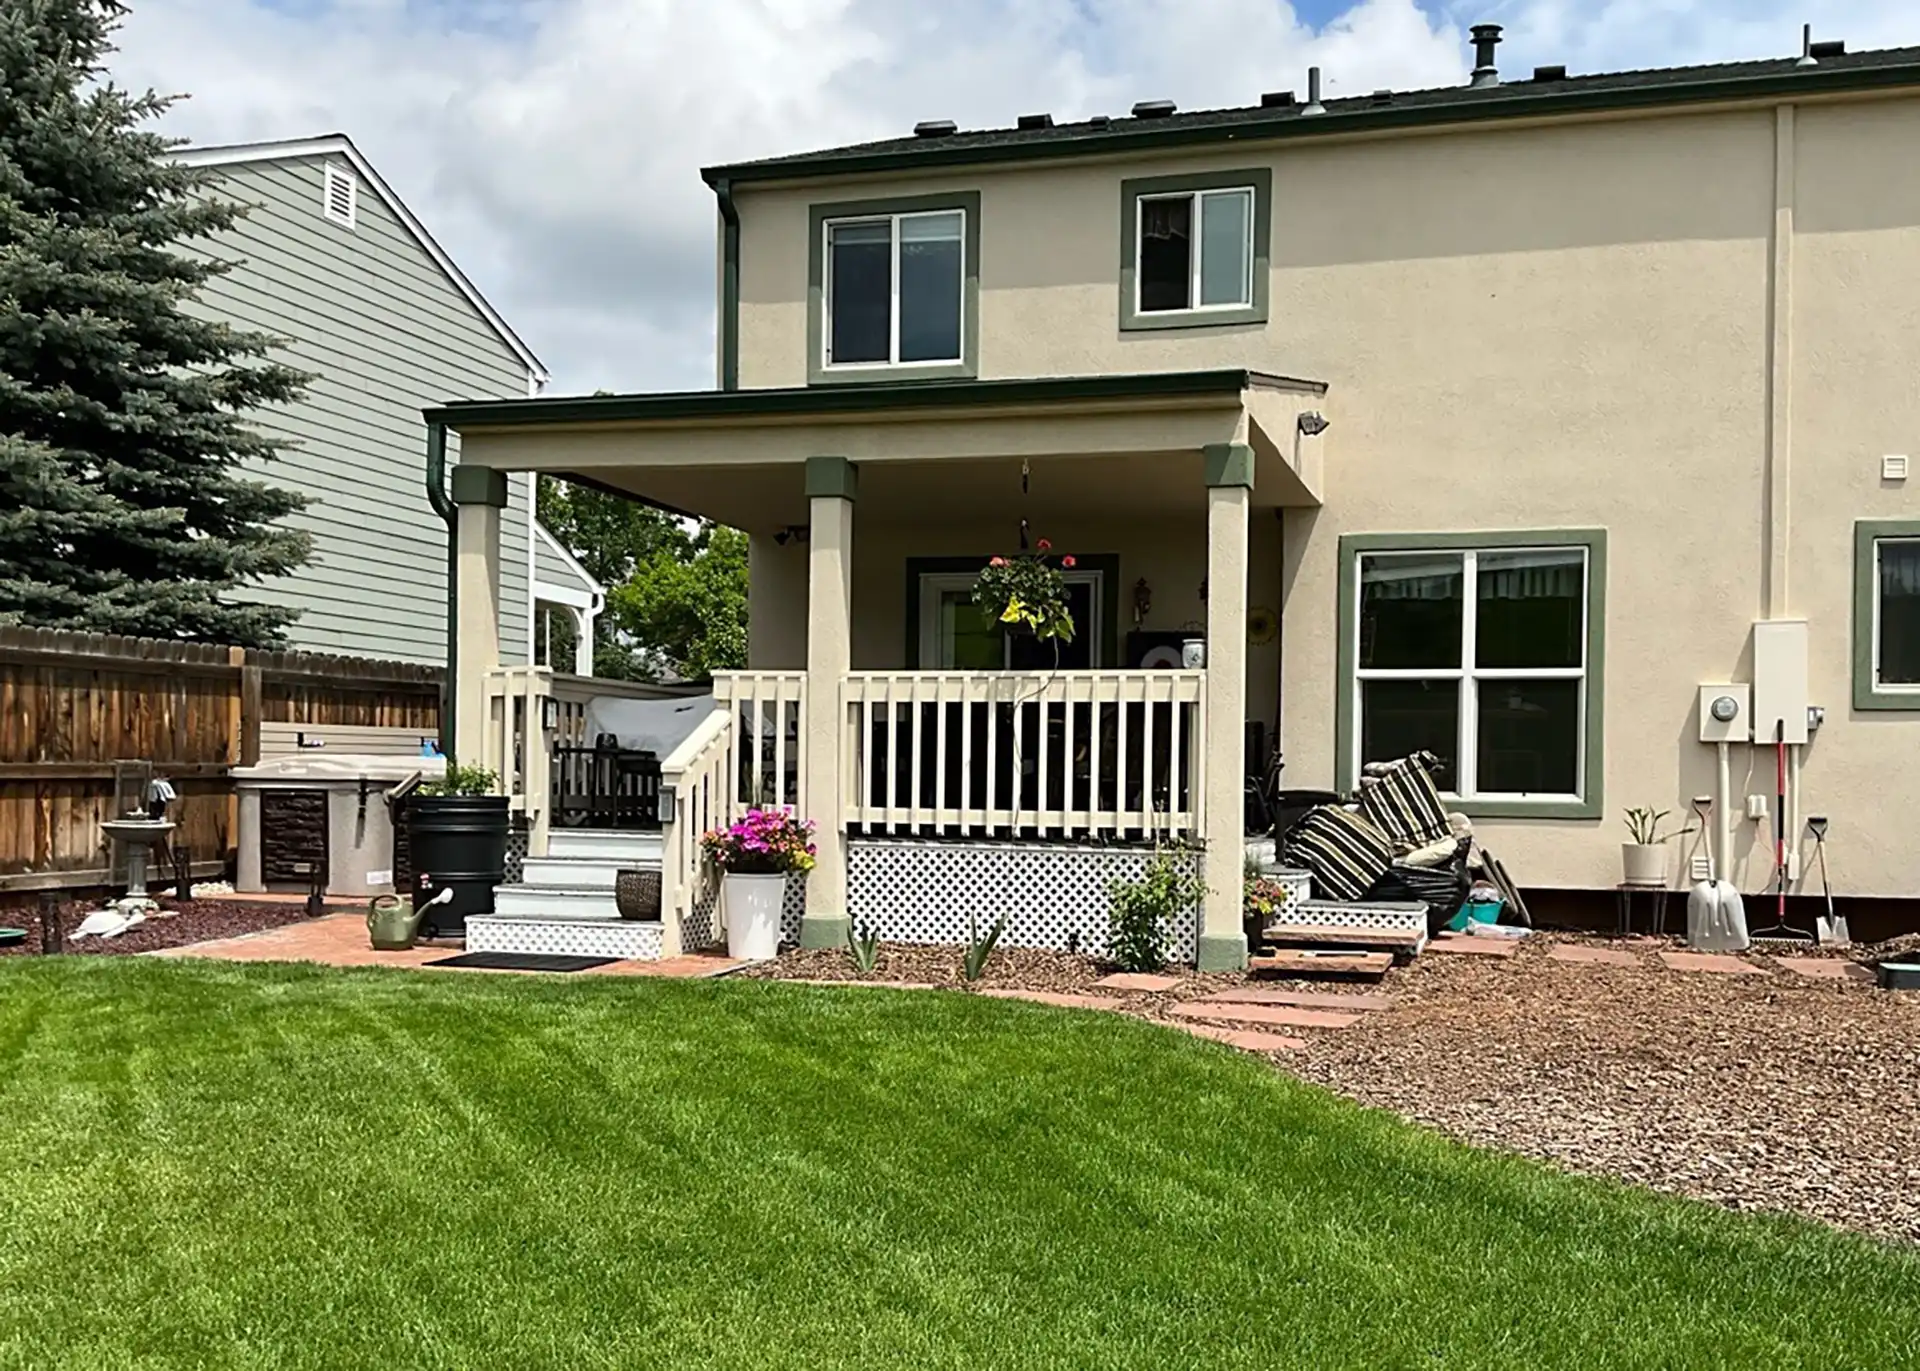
{"points": [[1312, 423], [791, 533]]}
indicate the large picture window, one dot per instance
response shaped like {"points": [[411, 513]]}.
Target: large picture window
{"points": [[1886, 672], [1481, 654], [895, 288]]}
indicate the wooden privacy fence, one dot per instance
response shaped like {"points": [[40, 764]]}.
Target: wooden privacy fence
{"points": [[87, 718]]}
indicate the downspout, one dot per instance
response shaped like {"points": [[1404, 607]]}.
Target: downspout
{"points": [[444, 507], [729, 285]]}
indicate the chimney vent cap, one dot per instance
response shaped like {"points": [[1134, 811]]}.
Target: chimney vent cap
{"points": [[935, 128]]}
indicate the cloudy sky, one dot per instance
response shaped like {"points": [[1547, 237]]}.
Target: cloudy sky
{"points": [[553, 146]]}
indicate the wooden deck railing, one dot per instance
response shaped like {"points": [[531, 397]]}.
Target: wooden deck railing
{"points": [[769, 736], [696, 790], [1055, 754]]}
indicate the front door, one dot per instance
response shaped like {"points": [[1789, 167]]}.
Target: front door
{"points": [[956, 635]]}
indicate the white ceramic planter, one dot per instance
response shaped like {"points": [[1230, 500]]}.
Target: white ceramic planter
{"points": [[753, 914], [1643, 863]]}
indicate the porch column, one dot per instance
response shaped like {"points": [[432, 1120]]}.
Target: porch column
{"points": [[1223, 937], [481, 494], [831, 486]]}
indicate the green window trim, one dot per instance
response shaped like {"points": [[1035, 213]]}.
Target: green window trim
{"points": [[1867, 692], [1131, 192], [968, 367], [1591, 802]]}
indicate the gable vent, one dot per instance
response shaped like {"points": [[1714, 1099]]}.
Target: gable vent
{"points": [[340, 199]]}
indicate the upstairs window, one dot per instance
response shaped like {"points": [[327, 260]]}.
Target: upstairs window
{"points": [[1194, 249], [895, 288]]}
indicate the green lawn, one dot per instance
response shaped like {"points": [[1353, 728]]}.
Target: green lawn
{"points": [[223, 1165]]}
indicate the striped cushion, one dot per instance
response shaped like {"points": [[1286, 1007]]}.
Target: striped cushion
{"points": [[1344, 851], [1404, 803]]}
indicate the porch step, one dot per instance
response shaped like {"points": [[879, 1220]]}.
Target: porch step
{"points": [[566, 937], [554, 902], [1295, 962], [605, 844], [582, 873]]}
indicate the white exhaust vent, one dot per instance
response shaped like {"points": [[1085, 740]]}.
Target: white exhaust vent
{"points": [[340, 199]]}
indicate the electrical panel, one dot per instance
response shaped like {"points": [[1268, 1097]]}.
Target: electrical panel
{"points": [[1726, 714], [1780, 693]]}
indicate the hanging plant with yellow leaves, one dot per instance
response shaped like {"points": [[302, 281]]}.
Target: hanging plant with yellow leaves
{"points": [[1027, 593]]}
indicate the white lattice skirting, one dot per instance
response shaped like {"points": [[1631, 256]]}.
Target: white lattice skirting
{"points": [[629, 941], [1052, 895]]}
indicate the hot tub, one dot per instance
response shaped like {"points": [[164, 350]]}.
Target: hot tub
{"points": [[325, 810]]}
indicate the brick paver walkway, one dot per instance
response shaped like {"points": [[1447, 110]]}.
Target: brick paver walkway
{"points": [[1718, 963], [1593, 956]]}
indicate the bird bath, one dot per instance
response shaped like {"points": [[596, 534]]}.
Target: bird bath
{"points": [[137, 837]]}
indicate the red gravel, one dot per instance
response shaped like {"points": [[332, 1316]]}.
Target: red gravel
{"points": [[179, 923]]}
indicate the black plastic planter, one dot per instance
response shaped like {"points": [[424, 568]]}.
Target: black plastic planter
{"points": [[458, 843]]}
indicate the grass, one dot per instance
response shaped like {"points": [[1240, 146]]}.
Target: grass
{"points": [[254, 1166]]}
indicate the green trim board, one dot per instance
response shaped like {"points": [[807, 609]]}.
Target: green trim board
{"points": [[729, 285], [832, 478], [479, 486], [1867, 694], [1131, 193], [1106, 563], [894, 394], [1228, 464], [1590, 804], [1601, 93], [818, 372]]}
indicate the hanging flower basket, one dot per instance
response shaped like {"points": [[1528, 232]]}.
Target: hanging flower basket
{"points": [[1027, 593]]}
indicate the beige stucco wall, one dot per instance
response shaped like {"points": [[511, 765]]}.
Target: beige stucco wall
{"points": [[1558, 326]]}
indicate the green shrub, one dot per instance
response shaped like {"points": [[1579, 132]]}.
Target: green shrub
{"points": [[1140, 916], [462, 780]]}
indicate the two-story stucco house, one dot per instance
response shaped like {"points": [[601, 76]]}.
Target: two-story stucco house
{"points": [[1498, 420], [331, 260]]}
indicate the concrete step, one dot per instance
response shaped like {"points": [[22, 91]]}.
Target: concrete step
{"points": [[606, 844], [581, 873], [554, 902]]}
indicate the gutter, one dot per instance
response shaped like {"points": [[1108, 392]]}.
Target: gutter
{"points": [[729, 284], [444, 507]]}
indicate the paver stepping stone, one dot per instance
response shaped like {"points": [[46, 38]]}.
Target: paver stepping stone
{"points": [[1474, 947], [1140, 981], [1719, 963], [1596, 956], [1287, 962], [1246, 1039], [1358, 1002], [1278, 1015], [1826, 968], [1054, 998]]}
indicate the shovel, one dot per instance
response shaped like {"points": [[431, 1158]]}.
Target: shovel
{"points": [[1829, 929]]}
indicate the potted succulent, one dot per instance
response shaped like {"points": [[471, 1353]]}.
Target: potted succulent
{"points": [[1644, 860], [457, 838], [756, 855], [1027, 593]]}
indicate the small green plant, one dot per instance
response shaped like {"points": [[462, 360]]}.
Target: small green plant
{"points": [[864, 948], [980, 947], [1026, 591], [462, 780], [1643, 825], [1141, 912]]}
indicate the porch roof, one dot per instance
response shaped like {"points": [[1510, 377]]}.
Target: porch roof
{"points": [[738, 456]]}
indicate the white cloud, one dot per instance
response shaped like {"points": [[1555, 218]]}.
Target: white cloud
{"points": [[553, 145]]}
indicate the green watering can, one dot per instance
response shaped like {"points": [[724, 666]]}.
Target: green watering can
{"points": [[392, 923]]}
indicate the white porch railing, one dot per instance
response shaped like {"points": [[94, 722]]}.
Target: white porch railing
{"points": [[1049, 754], [516, 747], [770, 735], [696, 794]]}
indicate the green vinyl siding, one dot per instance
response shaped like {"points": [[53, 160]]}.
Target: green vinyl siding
{"points": [[370, 315]]}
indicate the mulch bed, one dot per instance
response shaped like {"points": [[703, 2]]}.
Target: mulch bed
{"points": [[1755, 1092], [179, 923]]}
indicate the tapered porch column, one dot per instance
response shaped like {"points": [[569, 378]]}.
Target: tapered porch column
{"points": [[1223, 937], [831, 486], [481, 494]]}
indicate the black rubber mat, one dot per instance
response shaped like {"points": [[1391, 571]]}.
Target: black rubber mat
{"points": [[523, 961]]}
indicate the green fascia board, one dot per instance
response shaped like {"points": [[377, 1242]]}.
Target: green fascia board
{"points": [[1866, 693], [1465, 106], [1591, 804], [818, 372], [895, 395], [1228, 464], [1261, 179]]}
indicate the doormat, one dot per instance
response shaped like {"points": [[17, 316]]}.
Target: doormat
{"points": [[523, 961]]}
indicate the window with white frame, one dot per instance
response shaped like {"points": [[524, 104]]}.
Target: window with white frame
{"points": [[895, 289], [1479, 655], [340, 196], [1896, 615], [1194, 250]]}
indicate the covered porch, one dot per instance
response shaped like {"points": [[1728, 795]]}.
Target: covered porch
{"points": [[877, 701]]}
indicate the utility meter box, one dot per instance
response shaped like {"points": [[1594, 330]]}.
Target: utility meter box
{"points": [[1780, 681], [1726, 714]]}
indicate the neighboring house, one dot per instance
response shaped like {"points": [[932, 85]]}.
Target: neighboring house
{"points": [[1498, 420], [331, 260]]}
